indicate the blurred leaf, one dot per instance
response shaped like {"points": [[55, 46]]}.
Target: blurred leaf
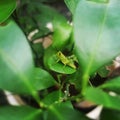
{"points": [[63, 111], [15, 60], [19, 113], [6, 8], [108, 114], [75, 80], [38, 49], [45, 14], [72, 4], [96, 27], [112, 85], [43, 79], [40, 16], [100, 1], [41, 33], [100, 97], [61, 35], [62, 30], [51, 62], [103, 72], [52, 98]]}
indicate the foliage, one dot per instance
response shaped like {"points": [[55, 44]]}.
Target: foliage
{"points": [[65, 72]]}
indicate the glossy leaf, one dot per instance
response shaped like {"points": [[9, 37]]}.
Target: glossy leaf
{"points": [[112, 85], [42, 79], [6, 8], [15, 60], [100, 97], [19, 113], [53, 97], [51, 62], [71, 4], [108, 114], [61, 35], [96, 28], [63, 111]]}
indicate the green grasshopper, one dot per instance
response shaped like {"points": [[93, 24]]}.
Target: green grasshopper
{"points": [[65, 60]]}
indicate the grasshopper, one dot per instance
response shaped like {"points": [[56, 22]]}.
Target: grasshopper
{"points": [[65, 60]]}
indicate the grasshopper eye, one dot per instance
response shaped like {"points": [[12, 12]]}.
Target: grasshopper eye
{"points": [[59, 53]]}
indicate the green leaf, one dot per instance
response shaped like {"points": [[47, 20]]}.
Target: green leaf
{"points": [[96, 26], [103, 72], [112, 85], [61, 35], [71, 4], [43, 79], [99, 97], [63, 111], [52, 98], [19, 113], [108, 114], [47, 14], [16, 61], [62, 30], [100, 1], [38, 50], [51, 62], [6, 8], [40, 16]]}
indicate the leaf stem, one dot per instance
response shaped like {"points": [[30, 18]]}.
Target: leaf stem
{"points": [[37, 99], [85, 79]]}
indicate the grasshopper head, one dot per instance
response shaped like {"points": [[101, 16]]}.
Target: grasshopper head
{"points": [[59, 54]]}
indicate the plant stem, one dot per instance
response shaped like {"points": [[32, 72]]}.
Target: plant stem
{"points": [[85, 79], [37, 99]]}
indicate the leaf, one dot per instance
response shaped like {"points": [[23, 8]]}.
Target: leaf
{"points": [[108, 114], [51, 63], [99, 97], [6, 8], [19, 113], [43, 79], [112, 85], [40, 17], [63, 111], [62, 30], [52, 98], [61, 35], [71, 4], [16, 61], [100, 1], [43, 11], [38, 50], [96, 26], [103, 72]]}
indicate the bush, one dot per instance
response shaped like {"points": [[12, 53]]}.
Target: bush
{"points": [[60, 66]]}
